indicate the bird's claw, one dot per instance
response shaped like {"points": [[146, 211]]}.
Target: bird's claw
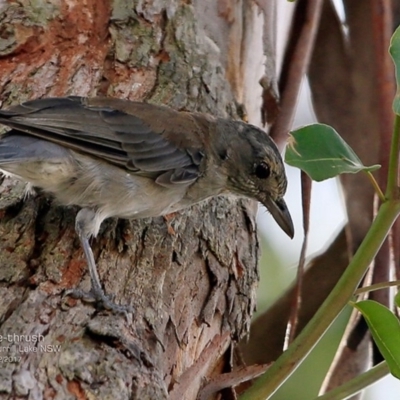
{"points": [[101, 300]]}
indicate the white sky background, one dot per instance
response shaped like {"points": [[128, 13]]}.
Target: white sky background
{"points": [[327, 211]]}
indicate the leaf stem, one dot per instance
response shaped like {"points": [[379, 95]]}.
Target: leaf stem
{"points": [[357, 384], [376, 186], [342, 293], [376, 286]]}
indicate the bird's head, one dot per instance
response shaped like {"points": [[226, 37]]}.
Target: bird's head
{"points": [[255, 169]]}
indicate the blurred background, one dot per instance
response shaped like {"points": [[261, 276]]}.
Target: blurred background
{"points": [[280, 255]]}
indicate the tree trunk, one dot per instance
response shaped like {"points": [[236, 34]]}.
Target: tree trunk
{"points": [[191, 277]]}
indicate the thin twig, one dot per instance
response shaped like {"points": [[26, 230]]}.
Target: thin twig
{"points": [[356, 385], [376, 286], [291, 329], [295, 64]]}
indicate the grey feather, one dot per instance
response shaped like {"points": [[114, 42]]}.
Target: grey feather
{"points": [[20, 148], [112, 135]]}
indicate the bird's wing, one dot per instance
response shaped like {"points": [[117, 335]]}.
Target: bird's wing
{"points": [[112, 130]]}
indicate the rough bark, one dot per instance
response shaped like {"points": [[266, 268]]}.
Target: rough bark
{"points": [[191, 277]]}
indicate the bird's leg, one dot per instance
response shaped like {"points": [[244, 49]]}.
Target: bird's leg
{"points": [[84, 219]]}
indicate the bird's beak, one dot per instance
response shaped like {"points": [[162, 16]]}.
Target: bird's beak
{"points": [[280, 212]]}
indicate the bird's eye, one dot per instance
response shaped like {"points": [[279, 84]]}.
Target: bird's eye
{"points": [[262, 171], [223, 155]]}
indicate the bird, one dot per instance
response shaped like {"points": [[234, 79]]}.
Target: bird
{"points": [[119, 158]]}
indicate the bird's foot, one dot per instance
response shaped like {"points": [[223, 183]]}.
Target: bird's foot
{"points": [[97, 296]]}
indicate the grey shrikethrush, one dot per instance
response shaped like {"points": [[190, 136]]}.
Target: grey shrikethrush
{"points": [[117, 158]]}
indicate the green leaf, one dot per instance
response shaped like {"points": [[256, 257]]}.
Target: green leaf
{"points": [[319, 151], [385, 329], [394, 51]]}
